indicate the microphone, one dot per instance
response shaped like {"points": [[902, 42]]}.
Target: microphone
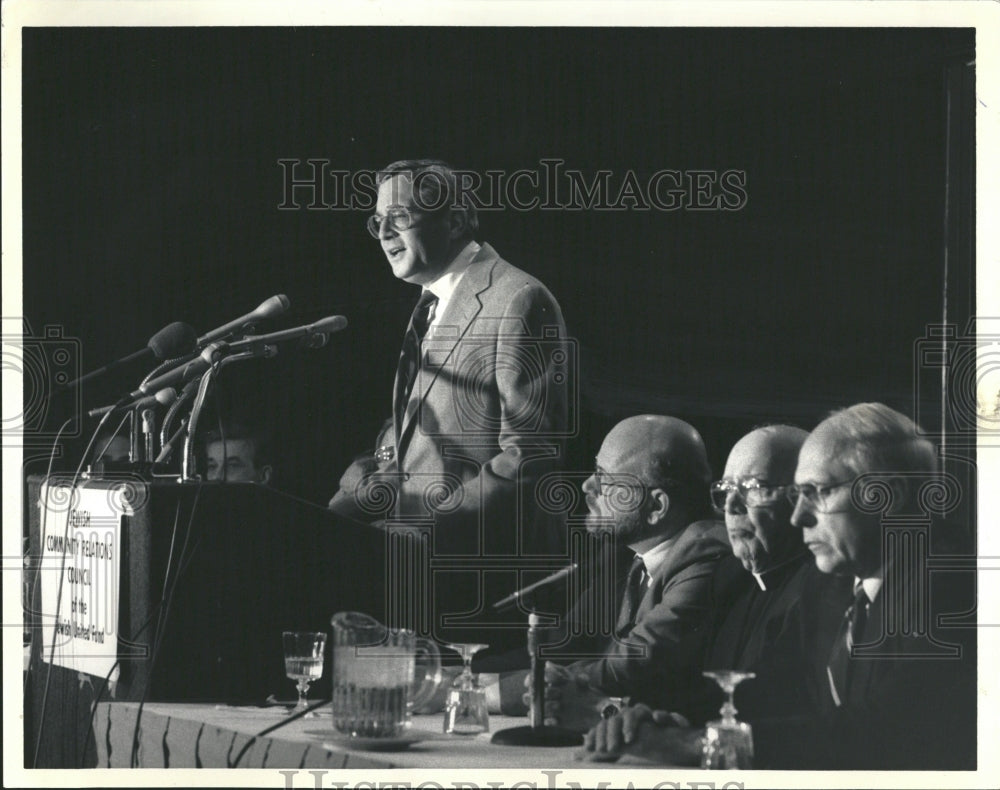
{"points": [[178, 374], [276, 305], [173, 340], [163, 397], [513, 598], [325, 326], [255, 345]]}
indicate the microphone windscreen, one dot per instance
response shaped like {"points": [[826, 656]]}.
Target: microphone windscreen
{"points": [[166, 396], [333, 323], [276, 305], [173, 340]]}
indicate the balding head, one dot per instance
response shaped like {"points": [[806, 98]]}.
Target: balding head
{"points": [[658, 449], [759, 527], [654, 477]]}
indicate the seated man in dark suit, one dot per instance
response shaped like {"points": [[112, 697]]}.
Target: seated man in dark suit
{"points": [[893, 694], [650, 491], [758, 593]]}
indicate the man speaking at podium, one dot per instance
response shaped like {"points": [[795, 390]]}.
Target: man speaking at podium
{"points": [[480, 406]]}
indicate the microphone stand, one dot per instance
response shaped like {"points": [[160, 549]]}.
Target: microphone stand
{"points": [[537, 733], [188, 470]]}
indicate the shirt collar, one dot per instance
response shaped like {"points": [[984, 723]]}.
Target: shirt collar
{"points": [[871, 586], [444, 286], [655, 557], [776, 570]]}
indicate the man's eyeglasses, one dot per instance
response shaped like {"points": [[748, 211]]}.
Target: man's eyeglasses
{"points": [[399, 219], [749, 490], [816, 496], [605, 480]]}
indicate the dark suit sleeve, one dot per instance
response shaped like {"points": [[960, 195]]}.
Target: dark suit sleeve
{"points": [[920, 716], [667, 639], [911, 709]]}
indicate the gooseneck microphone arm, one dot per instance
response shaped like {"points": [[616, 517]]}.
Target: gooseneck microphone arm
{"points": [[182, 400], [188, 460]]}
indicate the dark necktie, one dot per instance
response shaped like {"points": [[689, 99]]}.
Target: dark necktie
{"points": [[634, 588], [851, 628], [409, 357]]}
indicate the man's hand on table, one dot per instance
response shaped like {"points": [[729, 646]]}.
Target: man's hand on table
{"points": [[657, 736], [570, 701]]}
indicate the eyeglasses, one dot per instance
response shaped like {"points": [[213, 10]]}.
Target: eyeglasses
{"points": [[399, 218], [605, 480], [750, 491], [816, 496]]}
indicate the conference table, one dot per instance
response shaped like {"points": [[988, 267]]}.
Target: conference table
{"points": [[203, 735]]}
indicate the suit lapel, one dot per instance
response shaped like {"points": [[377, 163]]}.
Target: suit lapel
{"points": [[442, 339]]}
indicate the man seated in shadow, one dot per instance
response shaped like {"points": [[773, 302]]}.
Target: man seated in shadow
{"points": [[111, 451], [238, 453], [892, 692]]}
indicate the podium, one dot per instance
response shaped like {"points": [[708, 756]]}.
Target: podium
{"points": [[210, 574]]}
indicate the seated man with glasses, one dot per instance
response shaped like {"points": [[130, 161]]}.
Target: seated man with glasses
{"points": [[769, 600], [757, 592], [897, 684], [649, 492]]}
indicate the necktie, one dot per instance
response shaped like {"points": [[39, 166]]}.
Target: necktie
{"points": [[838, 670], [633, 595], [409, 357]]}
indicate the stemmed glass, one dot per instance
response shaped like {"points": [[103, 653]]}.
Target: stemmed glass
{"points": [[303, 662], [466, 712], [728, 742]]}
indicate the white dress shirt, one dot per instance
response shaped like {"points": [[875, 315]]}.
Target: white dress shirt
{"points": [[444, 286]]}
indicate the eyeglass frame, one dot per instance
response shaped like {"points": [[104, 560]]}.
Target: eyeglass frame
{"points": [[601, 487], [598, 472], [742, 489], [374, 221], [794, 493]]}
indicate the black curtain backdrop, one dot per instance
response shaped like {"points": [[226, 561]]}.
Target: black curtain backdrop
{"points": [[152, 184]]}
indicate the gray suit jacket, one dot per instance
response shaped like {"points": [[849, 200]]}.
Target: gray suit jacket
{"points": [[487, 415], [479, 438], [671, 619]]}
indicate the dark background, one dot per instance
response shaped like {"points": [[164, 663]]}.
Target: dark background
{"points": [[151, 187]]}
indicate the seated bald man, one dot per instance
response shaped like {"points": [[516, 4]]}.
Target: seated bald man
{"points": [[768, 598], [650, 492], [896, 692]]}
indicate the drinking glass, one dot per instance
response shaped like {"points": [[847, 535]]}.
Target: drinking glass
{"points": [[303, 662], [728, 742], [466, 712]]}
